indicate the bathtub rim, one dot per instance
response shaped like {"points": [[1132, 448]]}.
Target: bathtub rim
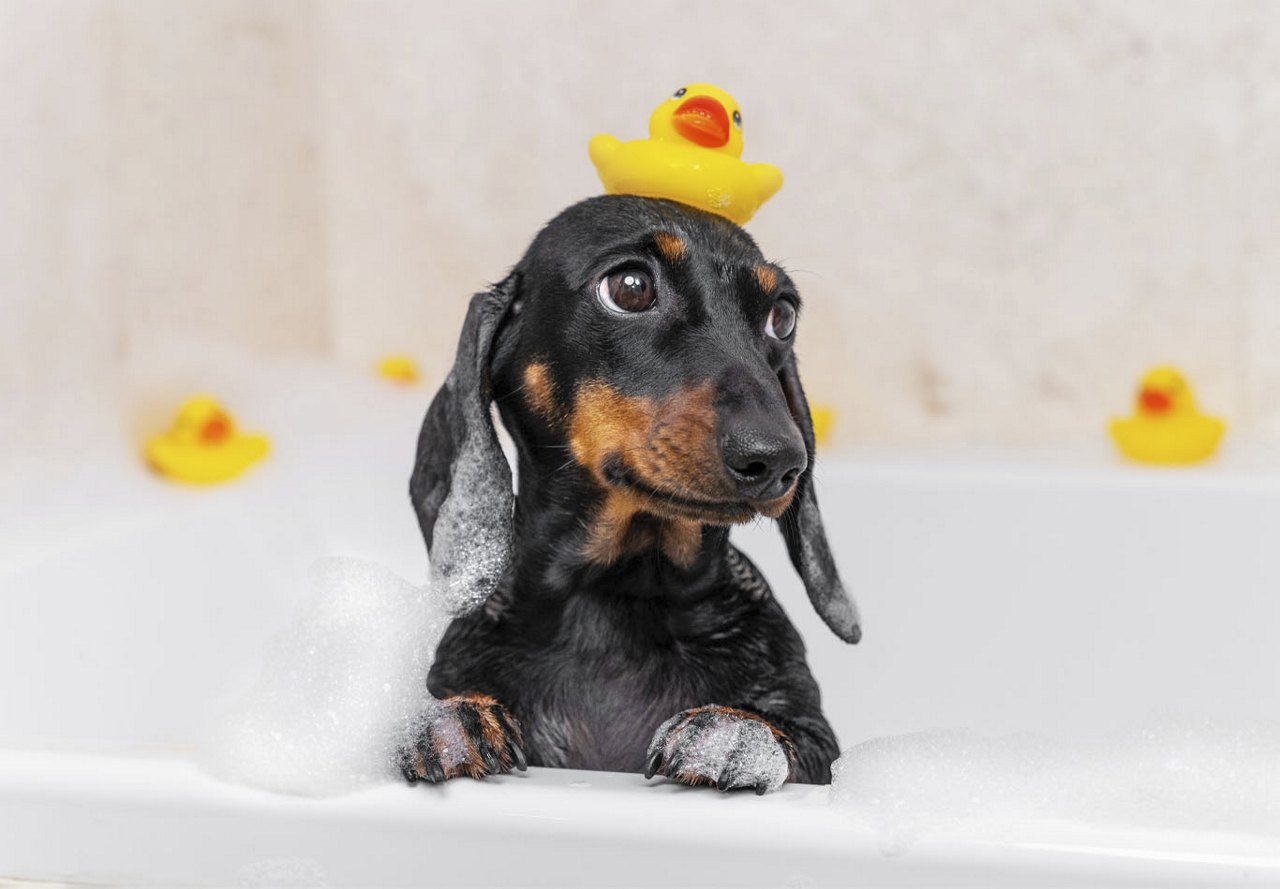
{"points": [[162, 821]]}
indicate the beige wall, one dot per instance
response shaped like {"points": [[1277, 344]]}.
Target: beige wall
{"points": [[998, 212]]}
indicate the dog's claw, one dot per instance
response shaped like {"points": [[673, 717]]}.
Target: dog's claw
{"points": [[407, 770], [512, 734], [654, 761], [521, 763], [433, 771], [407, 766], [424, 761]]}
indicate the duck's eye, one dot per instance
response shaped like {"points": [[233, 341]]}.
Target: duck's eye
{"points": [[627, 291], [782, 320], [737, 119], [680, 92]]}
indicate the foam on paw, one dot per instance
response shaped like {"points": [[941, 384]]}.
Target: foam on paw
{"points": [[723, 746], [470, 735]]}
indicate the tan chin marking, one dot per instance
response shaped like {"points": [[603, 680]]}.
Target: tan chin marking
{"points": [[614, 533], [672, 247], [610, 529], [539, 393], [775, 508], [681, 540]]}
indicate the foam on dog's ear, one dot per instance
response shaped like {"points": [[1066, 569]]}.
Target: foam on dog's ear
{"points": [[461, 484], [802, 527]]}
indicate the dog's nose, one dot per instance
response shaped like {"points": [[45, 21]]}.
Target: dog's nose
{"points": [[763, 465]]}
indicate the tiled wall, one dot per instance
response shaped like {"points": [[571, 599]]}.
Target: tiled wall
{"points": [[998, 212]]}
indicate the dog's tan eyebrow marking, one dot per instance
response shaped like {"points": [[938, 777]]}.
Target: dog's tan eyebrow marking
{"points": [[766, 277], [539, 393], [671, 246]]}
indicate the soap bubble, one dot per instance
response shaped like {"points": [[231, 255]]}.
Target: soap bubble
{"points": [[341, 688], [1173, 775]]}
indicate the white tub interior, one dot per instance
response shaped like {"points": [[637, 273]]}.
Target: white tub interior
{"points": [[1070, 598]]}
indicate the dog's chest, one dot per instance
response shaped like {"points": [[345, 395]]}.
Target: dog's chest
{"points": [[605, 691], [601, 722]]}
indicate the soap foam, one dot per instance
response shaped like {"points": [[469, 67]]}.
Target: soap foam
{"points": [[744, 748], [1189, 775], [341, 689]]}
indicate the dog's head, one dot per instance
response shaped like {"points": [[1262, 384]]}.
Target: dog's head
{"points": [[648, 346]]}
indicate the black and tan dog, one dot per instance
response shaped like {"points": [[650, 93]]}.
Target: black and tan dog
{"points": [[640, 354]]}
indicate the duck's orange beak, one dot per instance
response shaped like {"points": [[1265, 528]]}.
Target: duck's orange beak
{"points": [[216, 429], [1153, 401], [703, 121]]}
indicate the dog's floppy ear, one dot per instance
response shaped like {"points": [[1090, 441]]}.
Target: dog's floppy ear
{"points": [[461, 484], [802, 527]]}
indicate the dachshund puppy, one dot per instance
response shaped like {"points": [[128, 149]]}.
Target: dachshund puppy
{"points": [[640, 355]]}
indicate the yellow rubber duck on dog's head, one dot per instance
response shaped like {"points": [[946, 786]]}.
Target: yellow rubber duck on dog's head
{"points": [[693, 155]]}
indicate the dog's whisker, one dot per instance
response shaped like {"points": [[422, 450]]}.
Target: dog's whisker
{"points": [[565, 465], [516, 391]]}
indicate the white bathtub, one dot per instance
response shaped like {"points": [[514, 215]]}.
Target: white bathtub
{"points": [[1061, 599]]}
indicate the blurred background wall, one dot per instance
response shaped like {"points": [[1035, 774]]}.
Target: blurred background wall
{"points": [[998, 212]]}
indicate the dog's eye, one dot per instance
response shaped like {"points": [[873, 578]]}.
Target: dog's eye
{"points": [[678, 93], [782, 320], [627, 291]]}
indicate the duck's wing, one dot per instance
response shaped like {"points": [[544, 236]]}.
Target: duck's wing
{"points": [[601, 148], [767, 180]]}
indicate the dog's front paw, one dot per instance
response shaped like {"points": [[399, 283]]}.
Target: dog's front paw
{"points": [[470, 735], [722, 746]]}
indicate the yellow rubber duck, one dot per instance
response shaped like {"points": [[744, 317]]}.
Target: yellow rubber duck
{"points": [[692, 156], [203, 445], [399, 369], [1166, 426], [824, 420]]}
